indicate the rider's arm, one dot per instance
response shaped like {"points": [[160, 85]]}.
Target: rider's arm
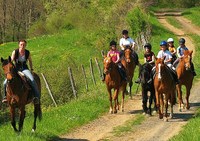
{"points": [[174, 51], [13, 55], [152, 60], [178, 53], [121, 44], [118, 58], [30, 62]]}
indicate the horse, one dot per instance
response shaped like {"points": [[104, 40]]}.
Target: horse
{"points": [[185, 77], [129, 65], [19, 94], [165, 88], [145, 71], [114, 81]]}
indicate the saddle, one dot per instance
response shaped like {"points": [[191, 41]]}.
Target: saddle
{"points": [[24, 80]]}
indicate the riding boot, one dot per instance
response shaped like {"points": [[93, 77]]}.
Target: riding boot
{"points": [[138, 80], [174, 74], [192, 69]]}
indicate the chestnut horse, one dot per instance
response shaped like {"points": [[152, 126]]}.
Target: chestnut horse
{"points": [[19, 94], [165, 88], [129, 65], [114, 81], [185, 77], [145, 71]]}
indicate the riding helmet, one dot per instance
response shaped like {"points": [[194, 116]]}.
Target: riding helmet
{"points": [[163, 43], [181, 41], [147, 45], [113, 43], [124, 32], [170, 40]]}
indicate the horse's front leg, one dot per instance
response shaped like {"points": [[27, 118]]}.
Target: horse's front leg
{"points": [[12, 115], [161, 105], [116, 93], [110, 99], [21, 117], [144, 101], [130, 88], [180, 99], [150, 102], [123, 96], [166, 107], [187, 97]]}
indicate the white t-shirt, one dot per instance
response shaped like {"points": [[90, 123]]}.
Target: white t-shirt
{"points": [[166, 53], [125, 42]]}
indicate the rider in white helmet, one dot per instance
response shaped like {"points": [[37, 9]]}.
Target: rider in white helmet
{"points": [[172, 48]]}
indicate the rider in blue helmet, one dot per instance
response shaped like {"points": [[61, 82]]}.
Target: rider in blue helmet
{"points": [[168, 61]]}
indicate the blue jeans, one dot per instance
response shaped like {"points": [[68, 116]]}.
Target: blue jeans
{"points": [[28, 75]]}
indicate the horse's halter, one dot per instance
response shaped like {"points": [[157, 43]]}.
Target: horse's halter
{"points": [[187, 62], [8, 71], [107, 65]]}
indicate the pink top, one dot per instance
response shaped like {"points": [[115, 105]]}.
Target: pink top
{"points": [[114, 54]]}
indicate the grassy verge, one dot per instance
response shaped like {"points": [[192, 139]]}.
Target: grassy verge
{"points": [[129, 126], [193, 15], [174, 22]]}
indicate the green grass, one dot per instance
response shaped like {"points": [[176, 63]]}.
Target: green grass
{"points": [[193, 15], [174, 22], [129, 126], [57, 121]]}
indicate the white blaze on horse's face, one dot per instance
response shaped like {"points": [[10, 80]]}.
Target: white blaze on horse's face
{"points": [[159, 71]]}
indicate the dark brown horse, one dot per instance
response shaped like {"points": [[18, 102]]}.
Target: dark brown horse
{"points": [[129, 65], [185, 77], [165, 88], [19, 94], [145, 71], [114, 81]]}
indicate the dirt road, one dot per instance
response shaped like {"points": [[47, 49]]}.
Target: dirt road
{"points": [[152, 129]]}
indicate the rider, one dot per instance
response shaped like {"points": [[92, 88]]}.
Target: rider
{"points": [[180, 53], [115, 56], [168, 58], [149, 57], [20, 57], [127, 42], [172, 48]]}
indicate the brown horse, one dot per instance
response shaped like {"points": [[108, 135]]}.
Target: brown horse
{"points": [[129, 64], [114, 81], [19, 94], [185, 77], [165, 88]]}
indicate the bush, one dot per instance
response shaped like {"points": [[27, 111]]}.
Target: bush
{"points": [[138, 21]]}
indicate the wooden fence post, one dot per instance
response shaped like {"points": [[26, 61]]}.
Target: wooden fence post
{"points": [[72, 82], [84, 74], [47, 86], [98, 66], [92, 72]]}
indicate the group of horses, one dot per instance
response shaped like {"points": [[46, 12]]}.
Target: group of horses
{"points": [[163, 90], [19, 94]]}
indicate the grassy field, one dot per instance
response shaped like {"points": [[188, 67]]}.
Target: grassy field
{"points": [[193, 15]]}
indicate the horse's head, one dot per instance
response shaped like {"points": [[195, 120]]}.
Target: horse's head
{"points": [[187, 58], [160, 65], [8, 68], [127, 55], [145, 71], [107, 64]]}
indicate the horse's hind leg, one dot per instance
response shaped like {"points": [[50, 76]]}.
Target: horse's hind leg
{"points": [[115, 100], [144, 101], [37, 112], [21, 118], [150, 102], [12, 115], [180, 100]]}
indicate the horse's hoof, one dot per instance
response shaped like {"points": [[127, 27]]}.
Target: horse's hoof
{"points": [[115, 111], [154, 112], [111, 111], [161, 116], [33, 130], [165, 119], [188, 107], [122, 110], [180, 110]]}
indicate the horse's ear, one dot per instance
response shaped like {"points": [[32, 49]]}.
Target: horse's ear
{"points": [[2, 60], [9, 59]]}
